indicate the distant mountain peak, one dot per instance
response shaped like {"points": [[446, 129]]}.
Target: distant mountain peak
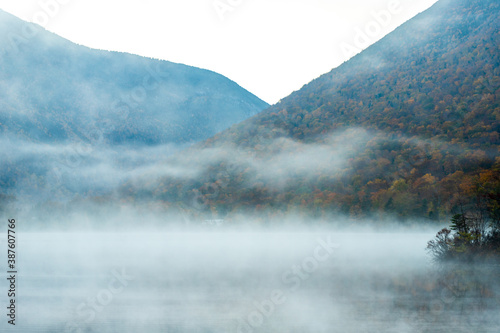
{"points": [[145, 100], [65, 107]]}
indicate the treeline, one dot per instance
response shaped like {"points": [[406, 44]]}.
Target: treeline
{"points": [[474, 234], [403, 178], [428, 95]]}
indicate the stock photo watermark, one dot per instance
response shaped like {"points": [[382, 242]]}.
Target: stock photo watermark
{"points": [[12, 269], [366, 36], [223, 7], [293, 278], [121, 109], [86, 312], [48, 10]]}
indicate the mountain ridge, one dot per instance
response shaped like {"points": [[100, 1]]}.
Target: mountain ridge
{"points": [[426, 101], [66, 107], [140, 73]]}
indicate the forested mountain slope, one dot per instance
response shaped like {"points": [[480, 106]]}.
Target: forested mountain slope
{"points": [[67, 110], [54, 90], [408, 127]]}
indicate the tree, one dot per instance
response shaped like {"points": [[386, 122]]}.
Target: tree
{"points": [[458, 223], [440, 247]]}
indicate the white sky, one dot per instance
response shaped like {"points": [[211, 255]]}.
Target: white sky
{"points": [[269, 47]]}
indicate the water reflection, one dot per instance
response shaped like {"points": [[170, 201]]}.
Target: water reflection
{"points": [[239, 282]]}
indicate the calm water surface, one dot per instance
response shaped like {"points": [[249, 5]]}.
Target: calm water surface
{"points": [[230, 282]]}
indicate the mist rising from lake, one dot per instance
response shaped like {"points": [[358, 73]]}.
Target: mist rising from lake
{"points": [[234, 281]]}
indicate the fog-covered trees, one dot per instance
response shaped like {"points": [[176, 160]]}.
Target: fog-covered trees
{"points": [[474, 234]]}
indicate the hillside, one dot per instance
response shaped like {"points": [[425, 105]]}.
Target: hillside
{"points": [[64, 105], [54, 90], [409, 127]]}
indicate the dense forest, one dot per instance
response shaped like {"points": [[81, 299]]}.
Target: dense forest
{"points": [[409, 127], [65, 107]]}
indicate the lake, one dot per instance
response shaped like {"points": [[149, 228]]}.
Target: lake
{"points": [[228, 281]]}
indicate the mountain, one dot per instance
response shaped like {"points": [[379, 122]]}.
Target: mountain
{"points": [[64, 106], [409, 127], [54, 90]]}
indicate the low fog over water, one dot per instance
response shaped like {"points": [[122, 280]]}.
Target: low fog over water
{"points": [[221, 280]]}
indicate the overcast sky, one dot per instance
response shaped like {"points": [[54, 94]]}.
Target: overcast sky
{"points": [[270, 47]]}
